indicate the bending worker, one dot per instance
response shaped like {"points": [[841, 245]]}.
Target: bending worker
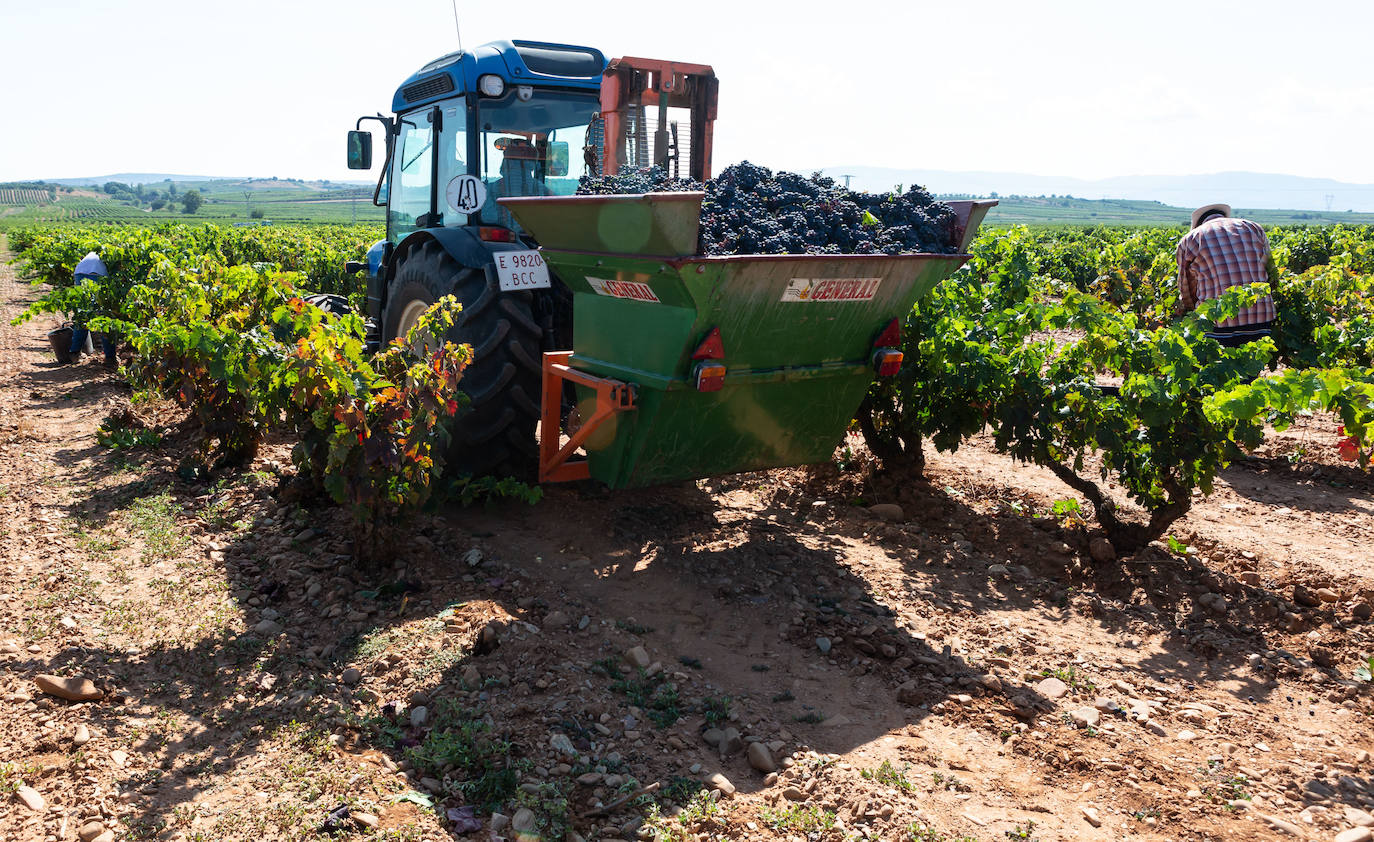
{"points": [[1219, 253], [91, 269]]}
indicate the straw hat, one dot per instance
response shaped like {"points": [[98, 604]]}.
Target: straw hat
{"points": [[1198, 214]]}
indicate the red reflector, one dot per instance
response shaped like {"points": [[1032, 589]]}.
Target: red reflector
{"points": [[711, 348], [887, 362], [496, 235], [891, 337], [710, 376]]}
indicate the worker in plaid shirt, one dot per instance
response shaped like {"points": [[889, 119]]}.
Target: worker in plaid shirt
{"points": [[1219, 253]]}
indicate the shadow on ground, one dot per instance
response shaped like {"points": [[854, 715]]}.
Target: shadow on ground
{"points": [[733, 602]]}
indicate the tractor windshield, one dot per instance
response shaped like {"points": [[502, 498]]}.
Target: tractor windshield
{"points": [[538, 146], [414, 165]]}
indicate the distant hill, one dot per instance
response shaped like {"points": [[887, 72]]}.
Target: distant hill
{"points": [[1240, 189], [224, 201], [133, 178], [1062, 210]]}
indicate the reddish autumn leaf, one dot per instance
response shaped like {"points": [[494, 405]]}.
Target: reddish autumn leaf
{"points": [[1348, 449]]}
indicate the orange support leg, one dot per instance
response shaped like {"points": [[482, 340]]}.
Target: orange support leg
{"points": [[612, 396]]}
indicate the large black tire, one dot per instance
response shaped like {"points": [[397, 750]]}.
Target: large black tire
{"points": [[494, 436]]}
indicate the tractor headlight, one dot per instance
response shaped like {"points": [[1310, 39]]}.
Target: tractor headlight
{"points": [[491, 85]]}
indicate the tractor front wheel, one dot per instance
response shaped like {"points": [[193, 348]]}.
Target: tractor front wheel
{"points": [[494, 435]]}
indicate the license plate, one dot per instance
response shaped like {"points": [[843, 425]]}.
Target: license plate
{"points": [[517, 270]]}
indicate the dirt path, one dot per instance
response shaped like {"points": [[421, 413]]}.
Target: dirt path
{"points": [[960, 672]]}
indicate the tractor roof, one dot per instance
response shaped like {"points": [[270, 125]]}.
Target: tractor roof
{"points": [[517, 62]]}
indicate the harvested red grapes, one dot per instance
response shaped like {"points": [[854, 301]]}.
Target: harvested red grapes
{"points": [[750, 209]]}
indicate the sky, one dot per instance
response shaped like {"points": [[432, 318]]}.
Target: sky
{"points": [[1081, 89]]}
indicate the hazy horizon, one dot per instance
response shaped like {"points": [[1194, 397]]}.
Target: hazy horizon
{"points": [[1240, 189]]}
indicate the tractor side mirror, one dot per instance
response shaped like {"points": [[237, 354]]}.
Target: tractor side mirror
{"points": [[359, 150], [557, 162]]}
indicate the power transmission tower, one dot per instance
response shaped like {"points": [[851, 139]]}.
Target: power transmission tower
{"points": [[846, 178]]}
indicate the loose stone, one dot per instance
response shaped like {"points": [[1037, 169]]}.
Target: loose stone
{"points": [[71, 688]]}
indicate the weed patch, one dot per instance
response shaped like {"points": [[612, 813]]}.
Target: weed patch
{"points": [[716, 709], [683, 827], [888, 775], [799, 818], [462, 746], [1071, 677], [657, 697], [154, 518]]}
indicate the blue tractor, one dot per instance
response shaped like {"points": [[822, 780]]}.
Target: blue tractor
{"points": [[508, 119]]}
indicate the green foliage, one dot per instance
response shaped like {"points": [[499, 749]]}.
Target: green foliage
{"points": [[957, 337], [226, 334], [202, 340], [702, 808], [117, 433], [1022, 341], [1067, 509], [1279, 399], [801, 818], [1136, 273], [995, 347], [50, 254], [657, 697], [716, 710], [888, 775], [549, 804], [372, 430], [1070, 676], [682, 790], [1222, 787], [1365, 671], [1022, 834], [466, 490], [462, 747], [1326, 315]]}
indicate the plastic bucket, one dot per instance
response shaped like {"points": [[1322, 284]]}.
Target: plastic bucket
{"points": [[61, 340]]}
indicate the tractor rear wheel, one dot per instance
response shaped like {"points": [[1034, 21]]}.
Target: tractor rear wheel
{"points": [[494, 435]]}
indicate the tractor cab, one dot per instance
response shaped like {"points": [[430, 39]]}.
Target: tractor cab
{"points": [[510, 120], [498, 121], [527, 118]]}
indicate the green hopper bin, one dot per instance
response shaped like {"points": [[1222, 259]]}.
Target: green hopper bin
{"points": [[795, 333]]}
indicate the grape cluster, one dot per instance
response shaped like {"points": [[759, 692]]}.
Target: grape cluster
{"points": [[749, 209]]}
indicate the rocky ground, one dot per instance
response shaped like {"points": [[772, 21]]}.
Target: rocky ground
{"points": [[783, 656]]}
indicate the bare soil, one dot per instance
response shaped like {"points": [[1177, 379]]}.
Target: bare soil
{"points": [[963, 671]]}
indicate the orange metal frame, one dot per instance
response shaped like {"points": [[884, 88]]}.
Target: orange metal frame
{"points": [[612, 396], [678, 84]]}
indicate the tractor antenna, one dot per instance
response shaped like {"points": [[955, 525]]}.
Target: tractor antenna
{"points": [[456, 26]]}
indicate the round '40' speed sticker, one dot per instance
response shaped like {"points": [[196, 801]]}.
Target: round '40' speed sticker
{"points": [[466, 193]]}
